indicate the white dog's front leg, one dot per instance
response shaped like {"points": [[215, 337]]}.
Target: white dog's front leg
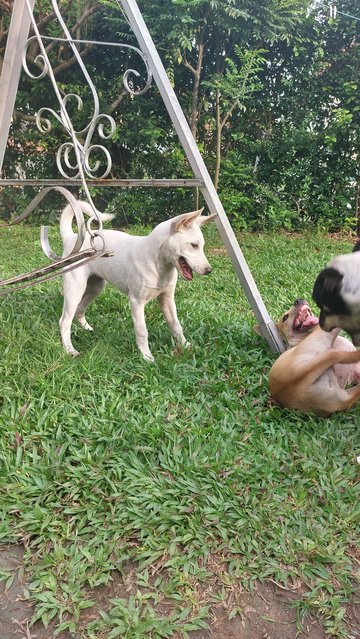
{"points": [[141, 334], [168, 307]]}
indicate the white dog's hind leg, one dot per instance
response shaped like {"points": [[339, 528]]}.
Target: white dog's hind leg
{"points": [[168, 307], [84, 323], [141, 333], [74, 289], [94, 287]]}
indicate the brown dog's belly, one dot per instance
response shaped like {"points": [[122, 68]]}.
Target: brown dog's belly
{"points": [[319, 397], [304, 400]]}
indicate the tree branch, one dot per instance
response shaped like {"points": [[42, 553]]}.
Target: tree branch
{"points": [[187, 64], [19, 115], [70, 63], [88, 11], [114, 105]]}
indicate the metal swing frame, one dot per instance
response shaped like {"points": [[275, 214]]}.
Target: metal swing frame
{"points": [[76, 166]]}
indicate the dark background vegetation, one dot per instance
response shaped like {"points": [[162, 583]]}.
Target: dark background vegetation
{"points": [[270, 90]]}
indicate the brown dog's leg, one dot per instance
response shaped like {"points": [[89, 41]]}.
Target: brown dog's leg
{"points": [[343, 400], [317, 366], [353, 395]]}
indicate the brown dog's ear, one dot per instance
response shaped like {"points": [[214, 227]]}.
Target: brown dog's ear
{"points": [[203, 219], [185, 221]]}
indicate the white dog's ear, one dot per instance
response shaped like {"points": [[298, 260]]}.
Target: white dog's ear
{"points": [[203, 219], [185, 221]]}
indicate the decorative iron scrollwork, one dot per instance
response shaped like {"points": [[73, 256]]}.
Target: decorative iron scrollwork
{"points": [[74, 157], [77, 158]]}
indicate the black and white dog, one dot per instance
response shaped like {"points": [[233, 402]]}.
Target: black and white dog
{"points": [[337, 294]]}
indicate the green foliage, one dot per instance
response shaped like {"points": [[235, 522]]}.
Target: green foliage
{"points": [[240, 79], [250, 203], [289, 109]]}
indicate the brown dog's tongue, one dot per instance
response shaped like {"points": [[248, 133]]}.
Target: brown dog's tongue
{"points": [[310, 321]]}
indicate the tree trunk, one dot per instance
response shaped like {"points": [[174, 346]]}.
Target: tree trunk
{"points": [[194, 116], [217, 139], [357, 208]]}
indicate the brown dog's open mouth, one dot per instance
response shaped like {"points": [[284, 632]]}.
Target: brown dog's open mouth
{"points": [[304, 319], [185, 268]]}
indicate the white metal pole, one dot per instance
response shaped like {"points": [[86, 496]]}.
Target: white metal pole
{"points": [[11, 69]]}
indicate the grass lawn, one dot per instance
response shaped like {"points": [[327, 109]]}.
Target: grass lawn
{"points": [[180, 472]]}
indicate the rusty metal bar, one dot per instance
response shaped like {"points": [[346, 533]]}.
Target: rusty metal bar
{"points": [[45, 273]]}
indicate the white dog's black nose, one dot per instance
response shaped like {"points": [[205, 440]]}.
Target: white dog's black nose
{"points": [[207, 270]]}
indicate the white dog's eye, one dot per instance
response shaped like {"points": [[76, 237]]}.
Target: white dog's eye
{"points": [[194, 245]]}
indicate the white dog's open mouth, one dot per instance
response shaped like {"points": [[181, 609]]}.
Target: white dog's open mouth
{"points": [[304, 319], [185, 268]]}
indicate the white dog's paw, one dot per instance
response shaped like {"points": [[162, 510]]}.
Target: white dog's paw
{"points": [[179, 348], [148, 357], [84, 324], [71, 351]]}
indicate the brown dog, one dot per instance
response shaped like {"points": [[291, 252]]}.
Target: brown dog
{"points": [[312, 374]]}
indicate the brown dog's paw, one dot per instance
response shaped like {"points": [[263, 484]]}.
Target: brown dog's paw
{"points": [[272, 402]]}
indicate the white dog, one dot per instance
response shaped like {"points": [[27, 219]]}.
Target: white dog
{"points": [[141, 267]]}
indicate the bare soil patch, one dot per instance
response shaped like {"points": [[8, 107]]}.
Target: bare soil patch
{"points": [[266, 613]]}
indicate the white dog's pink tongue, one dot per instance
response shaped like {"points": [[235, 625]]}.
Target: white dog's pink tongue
{"points": [[311, 320], [185, 268]]}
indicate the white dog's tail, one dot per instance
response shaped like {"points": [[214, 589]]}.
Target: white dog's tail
{"points": [[68, 214]]}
